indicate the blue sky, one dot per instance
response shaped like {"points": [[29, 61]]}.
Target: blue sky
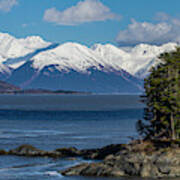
{"points": [[121, 22]]}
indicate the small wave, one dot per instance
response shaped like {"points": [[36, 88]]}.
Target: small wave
{"points": [[92, 136], [17, 133], [53, 173], [36, 165], [38, 131], [12, 136]]}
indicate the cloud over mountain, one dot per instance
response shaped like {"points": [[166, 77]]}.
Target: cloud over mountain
{"points": [[167, 29], [82, 12], [6, 5]]}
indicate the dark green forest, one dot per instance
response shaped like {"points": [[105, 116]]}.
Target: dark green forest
{"points": [[162, 99]]}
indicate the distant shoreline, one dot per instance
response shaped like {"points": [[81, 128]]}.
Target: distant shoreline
{"points": [[41, 91], [62, 92]]}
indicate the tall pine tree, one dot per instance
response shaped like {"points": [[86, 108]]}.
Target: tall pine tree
{"points": [[162, 99]]}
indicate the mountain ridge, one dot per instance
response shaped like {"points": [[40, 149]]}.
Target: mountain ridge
{"points": [[108, 54], [35, 63]]}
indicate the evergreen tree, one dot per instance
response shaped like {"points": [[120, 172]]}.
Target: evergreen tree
{"points": [[162, 99]]}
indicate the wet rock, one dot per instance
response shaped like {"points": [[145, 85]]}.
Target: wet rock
{"points": [[129, 161], [27, 150], [101, 153], [68, 152], [75, 170], [3, 152]]}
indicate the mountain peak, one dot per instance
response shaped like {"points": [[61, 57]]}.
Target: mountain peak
{"points": [[68, 56], [10, 47], [74, 56]]}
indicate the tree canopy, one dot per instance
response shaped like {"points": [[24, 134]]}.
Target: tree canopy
{"points": [[162, 99]]}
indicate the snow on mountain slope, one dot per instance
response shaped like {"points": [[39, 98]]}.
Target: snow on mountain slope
{"points": [[69, 56], [5, 71], [111, 55], [10, 47], [137, 61]]}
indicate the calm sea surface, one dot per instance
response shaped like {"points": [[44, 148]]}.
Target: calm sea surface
{"points": [[50, 121]]}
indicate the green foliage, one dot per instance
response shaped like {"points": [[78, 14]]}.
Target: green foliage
{"points": [[162, 89]]}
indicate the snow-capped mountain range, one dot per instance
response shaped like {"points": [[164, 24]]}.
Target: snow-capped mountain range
{"points": [[35, 63]]}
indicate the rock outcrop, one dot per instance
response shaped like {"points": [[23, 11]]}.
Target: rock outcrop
{"points": [[139, 159], [28, 150], [96, 154]]}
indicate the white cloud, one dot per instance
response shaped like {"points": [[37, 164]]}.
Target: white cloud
{"points": [[84, 11], [164, 31], [6, 5]]}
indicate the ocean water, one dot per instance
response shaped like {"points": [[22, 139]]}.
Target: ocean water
{"points": [[54, 121]]}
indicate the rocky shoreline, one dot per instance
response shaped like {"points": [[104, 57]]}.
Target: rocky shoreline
{"points": [[94, 154], [155, 159]]}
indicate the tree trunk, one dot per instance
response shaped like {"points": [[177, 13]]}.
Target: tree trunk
{"points": [[173, 134]]}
